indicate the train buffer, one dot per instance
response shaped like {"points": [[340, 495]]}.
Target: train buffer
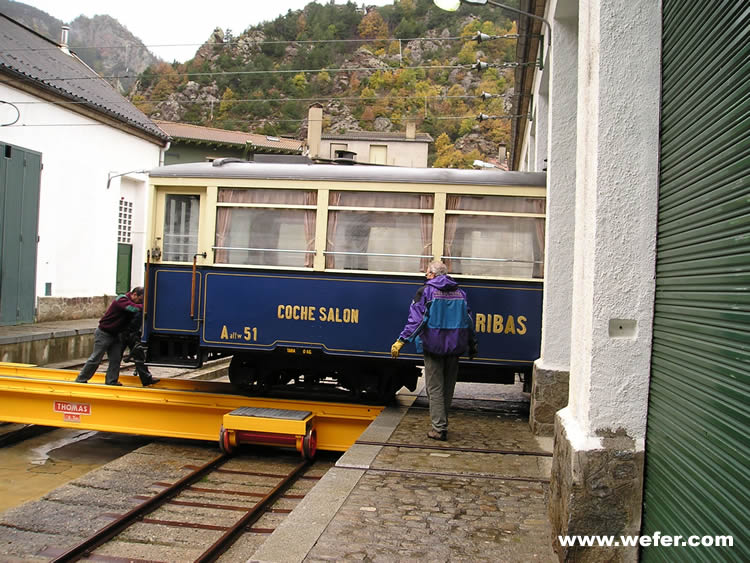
{"points": [[269, 427]]}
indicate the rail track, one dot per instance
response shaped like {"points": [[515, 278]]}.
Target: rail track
{"points": [[203, 514]]}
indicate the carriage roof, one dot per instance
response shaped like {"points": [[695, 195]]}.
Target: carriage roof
{"points": [[347, 173]]}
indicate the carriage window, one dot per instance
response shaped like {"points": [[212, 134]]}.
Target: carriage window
{"points": [[374, 231], [181, 227], [265, 227], [495, 245]]}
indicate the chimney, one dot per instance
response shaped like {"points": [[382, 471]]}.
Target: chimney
{"points": [[411, 129], [314, 130], [64, 31], [502, 155]]}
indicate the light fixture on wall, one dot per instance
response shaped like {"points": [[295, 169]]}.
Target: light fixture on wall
{"points": [[112, 175]]}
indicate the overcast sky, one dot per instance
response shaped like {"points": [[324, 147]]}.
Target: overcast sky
{"points": [[157, 22]]}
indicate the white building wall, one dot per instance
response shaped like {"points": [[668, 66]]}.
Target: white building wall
{"points": [[77, 213], [561, 177], [616, 205]]}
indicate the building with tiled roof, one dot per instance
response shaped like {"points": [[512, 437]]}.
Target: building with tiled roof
{"points": [[194, 143], [407, 148], [74, 204]]}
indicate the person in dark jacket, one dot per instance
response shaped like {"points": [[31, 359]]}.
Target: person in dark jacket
{"points": [[441, 325], [107, 336], [131, 339]]}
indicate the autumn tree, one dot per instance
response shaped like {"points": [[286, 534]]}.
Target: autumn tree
{"points": [[373, 26]]}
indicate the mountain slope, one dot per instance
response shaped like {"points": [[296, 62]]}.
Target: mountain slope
{"points": [[371, 71], [101, 42]]}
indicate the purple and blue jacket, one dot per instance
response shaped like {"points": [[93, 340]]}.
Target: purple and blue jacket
{"points": [[440, 321]]}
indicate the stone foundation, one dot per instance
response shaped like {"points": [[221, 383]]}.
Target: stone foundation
{"points": [[549, 394], [595, 492], [71, 308]]}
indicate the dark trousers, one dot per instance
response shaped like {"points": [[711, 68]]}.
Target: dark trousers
{"points": [[103, 342], [440, 374]]}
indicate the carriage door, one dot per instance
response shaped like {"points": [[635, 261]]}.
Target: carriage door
{"points": [[697, 449], [175, 288], [20, 172]]}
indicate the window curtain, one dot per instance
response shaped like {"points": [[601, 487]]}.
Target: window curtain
{"points": [[538, 270], [425, 202], [310, 199], [334, 199], [224, 221], [451, 223]]}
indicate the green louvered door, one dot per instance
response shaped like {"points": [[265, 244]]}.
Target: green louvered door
{"points": [[697, 479], [20, 172]]}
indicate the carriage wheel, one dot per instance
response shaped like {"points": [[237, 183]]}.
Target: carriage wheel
{"points": [[310, 444], [225, 442]]}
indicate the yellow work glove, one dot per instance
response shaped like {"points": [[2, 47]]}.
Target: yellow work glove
{"points": [[396, 348]]}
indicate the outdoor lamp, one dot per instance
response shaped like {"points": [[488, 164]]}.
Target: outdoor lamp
{"points": [[452, 6]]}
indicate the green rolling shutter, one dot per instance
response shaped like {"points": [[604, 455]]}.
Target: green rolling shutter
{"points": [[698, 438]]}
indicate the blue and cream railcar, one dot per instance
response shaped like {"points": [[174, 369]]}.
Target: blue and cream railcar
{"points": [[304, 272]]}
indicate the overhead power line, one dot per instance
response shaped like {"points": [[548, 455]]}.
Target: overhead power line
{"points": [[482, 96], [251, 72], [264, 120], [478, 37]]}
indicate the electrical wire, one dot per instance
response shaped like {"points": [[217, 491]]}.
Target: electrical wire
{"points": [[265, 120], [18, 114], [280, 100], [251, 72], [127, 46], [254, 43]]}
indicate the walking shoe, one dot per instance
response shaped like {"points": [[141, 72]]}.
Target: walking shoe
{"points": [[153, 381], [115, 383], [435, 435]]}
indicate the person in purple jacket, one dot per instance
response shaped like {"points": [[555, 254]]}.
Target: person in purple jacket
{"points": [[441, 325], [107, 336]]}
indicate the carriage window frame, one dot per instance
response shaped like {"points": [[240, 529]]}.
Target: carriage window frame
{"points": [[535, 263], [334, 258], [307, 253]]}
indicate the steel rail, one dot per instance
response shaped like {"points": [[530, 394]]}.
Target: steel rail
{"points": [[112, 529], [453, 448], [252, 516]]}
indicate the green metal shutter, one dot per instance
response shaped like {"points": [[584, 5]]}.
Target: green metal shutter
{"points": [[698, 436], [20, 172]]}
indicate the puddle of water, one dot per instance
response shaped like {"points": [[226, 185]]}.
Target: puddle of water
{"points": [[39, 455], [34, 467]]}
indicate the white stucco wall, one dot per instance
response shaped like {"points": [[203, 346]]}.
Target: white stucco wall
{"points": [[616, 205], [561, 176], [78, 214]]}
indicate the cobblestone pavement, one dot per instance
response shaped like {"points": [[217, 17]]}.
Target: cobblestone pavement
{"points": [[402, 517], [436, 505]]}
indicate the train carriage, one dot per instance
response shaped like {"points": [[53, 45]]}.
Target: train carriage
{"points": [[304, 272]]}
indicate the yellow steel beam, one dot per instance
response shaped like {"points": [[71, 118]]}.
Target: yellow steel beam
{"points": [[174, 408]]}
